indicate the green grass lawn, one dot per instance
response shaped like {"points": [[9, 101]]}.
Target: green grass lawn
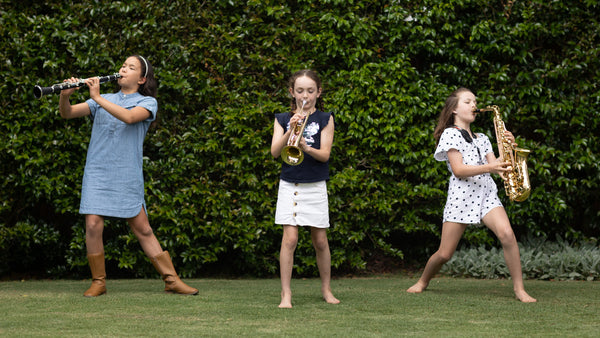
{"points": [[373, 306]]}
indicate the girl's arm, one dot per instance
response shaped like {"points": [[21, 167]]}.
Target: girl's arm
{"points": [[68, 111], [321, 155], [279, 140], [129, 116], [462, 170]]}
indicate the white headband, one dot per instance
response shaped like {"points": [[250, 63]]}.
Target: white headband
{"points": [[146, 63]]}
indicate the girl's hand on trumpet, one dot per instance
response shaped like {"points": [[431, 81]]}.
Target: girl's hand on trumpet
{"points": [[297, 119]]}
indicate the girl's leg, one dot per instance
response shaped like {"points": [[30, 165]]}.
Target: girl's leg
{"points": [[497, 221], [286, 263], [142, 230], [160, 259], [94, 226], [319, 239], [451, 234]]}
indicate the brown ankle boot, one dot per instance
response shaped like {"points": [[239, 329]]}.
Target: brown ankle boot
{"points": [[163, 264], [98, 275]]}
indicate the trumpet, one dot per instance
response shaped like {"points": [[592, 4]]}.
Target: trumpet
{"points": [[291, 153], [517, 185], [39, 91]]}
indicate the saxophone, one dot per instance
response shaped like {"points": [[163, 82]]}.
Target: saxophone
{"points": [[516, 184]]}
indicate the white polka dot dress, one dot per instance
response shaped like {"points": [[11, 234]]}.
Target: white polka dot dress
{"points": [[471, 198]]}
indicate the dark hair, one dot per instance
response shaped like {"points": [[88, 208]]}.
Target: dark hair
{"points": [[150, 87], [311, 74], [446, 118]]}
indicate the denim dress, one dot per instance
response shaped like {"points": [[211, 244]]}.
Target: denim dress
{"points": [[113, 179]]}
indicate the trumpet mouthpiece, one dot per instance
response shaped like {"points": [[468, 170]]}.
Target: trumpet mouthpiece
{"points": [[477, 110]]}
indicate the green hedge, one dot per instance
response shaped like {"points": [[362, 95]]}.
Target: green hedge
{"points": [[222, 67]]}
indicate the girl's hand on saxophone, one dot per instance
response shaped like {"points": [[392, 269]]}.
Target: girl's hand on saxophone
{"points": [[500, 167], [511, 137]]}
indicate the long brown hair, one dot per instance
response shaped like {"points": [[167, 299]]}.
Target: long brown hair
{"points": [[150, 87], [446, 118], [311, 74]]}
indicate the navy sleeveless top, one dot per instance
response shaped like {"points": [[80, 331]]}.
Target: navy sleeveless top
{"points": [[310, 170]]}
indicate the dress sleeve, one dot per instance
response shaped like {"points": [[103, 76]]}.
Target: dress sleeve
{"points": [[150, 104], [486, 144], [93, 108], [450, 139]]}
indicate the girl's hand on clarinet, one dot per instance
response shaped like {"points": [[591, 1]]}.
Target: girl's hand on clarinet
{"points": [[68, 92], [94, 84]]}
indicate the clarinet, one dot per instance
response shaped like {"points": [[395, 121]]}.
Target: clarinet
{"points": [[39, 91]]}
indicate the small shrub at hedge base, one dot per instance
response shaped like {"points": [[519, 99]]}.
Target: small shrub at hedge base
{"points": [[540, 259]]}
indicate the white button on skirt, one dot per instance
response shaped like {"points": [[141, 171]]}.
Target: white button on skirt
{"points": [[303, 204]]}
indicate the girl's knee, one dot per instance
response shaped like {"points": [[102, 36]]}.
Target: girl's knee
{"points": [[320, 244], [142, 230], [507, 237], [444, 256], [289, 242], [94, 224]]}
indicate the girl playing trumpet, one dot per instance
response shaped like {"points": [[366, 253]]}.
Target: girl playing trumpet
{"points": [[302, 197]]}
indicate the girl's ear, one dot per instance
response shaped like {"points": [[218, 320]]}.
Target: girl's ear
{"points": [[291, 90], [142, 81], [319, 92]]}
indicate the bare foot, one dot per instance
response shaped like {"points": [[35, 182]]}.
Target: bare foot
{"points": [[286, 301], [524, 297], [329, 298], [417, 288]]}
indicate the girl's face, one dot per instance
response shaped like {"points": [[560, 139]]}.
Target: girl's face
{"points": [[131, 73], [464, 111], [305, 88]]}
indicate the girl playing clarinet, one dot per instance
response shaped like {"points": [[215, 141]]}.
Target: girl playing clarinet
{"points": [[113, 181]]}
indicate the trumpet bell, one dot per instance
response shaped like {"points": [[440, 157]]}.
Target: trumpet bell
{"points": [[292, 155]]}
